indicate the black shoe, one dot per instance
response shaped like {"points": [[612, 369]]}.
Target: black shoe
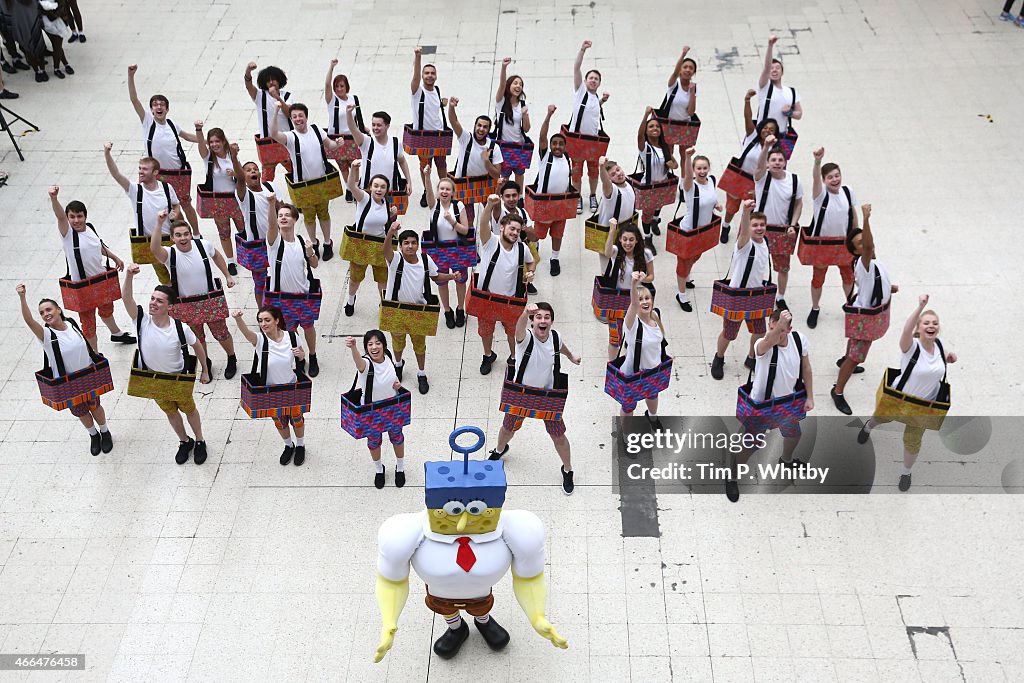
{"points": [[106, 441], [495, 455], [8, 95], [530, 288], [567, 483], [841, 405], [718, 367], [863, 435], [41, 77], [579, 205], [795, 463], [423, 200], [732, 491], [690, 284], [556, 270], [656, 226], [286, 454], [68, 70], [184, 449], [81, 37], [350, 310], [398, 370], [494, 634], [460, 317], [857, 369], [724, 239], [232, 269], [399, 479], [8, 69], [94, 443], [450, 642], [316, 248], [449, 319], [300, 456], [328, 251], [21, 66], [231, 368], [314, 366], [780, 305], [378, 479], [421, 380], [749, 363], [485, 364], [58, 73], [593, 202], [812, 318], [348, 197], [73, 38], [685, 305], [200, 454], [904, 482], [649, 243], [655, 421], [123, 338]]}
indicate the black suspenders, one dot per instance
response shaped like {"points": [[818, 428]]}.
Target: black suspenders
{"points": [[905, 376], [181, 152], [427, 294], [172, 265], [279, 261], [260, 360], [769, 384], [435, 221], [763, 202], [77, 249], [140, 225], [525, 361], [181, 339], [494, 262], [816, 225]]}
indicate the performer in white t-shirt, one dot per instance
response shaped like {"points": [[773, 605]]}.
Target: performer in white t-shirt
{"points": [[656, 162], [554, 173], [681, 95], [755, 133], [271, 101], [338, 96], [585, 98], [215, 151], [785, 103], [835, 215], [425, 91], [477, 155], [511, 117], [779, 195]]}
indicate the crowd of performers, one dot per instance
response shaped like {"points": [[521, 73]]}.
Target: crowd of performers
{"points": [[482, 237]]}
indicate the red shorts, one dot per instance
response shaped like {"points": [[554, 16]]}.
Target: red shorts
{"points": [[818, 278], [685, 266], [857, 350], [556, 228], [218, 328], [780, 264], [485, 328], [88, 318], [732, 204], [731, 328], [512, 423]]}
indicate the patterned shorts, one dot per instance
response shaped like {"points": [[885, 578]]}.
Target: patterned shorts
{"points": [[171, 407], [512, 423], [731, 328], [286, 416], [218, 328], [83, 409], [374, 441], [857, 350]]}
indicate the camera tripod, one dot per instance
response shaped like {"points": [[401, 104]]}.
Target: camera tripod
{"points": [[5, 125]]}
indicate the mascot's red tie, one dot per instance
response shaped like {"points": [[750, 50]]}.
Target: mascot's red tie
{"points": [[465, 558]]}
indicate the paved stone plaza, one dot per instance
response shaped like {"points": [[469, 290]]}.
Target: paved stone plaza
{"points": [[241, 569]]}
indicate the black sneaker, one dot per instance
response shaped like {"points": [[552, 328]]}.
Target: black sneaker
{"points": [[106, 441], [21, 66], [857, 369], [316, 248], [231, 368], [399, 479], [841, 405], [593, 202], [8, 69], [286, 454], [718, 367], [567, 483], [904, 482], [579, 205], [649, 243], [780, 305], [655, 421], [73, 38], [494, 634], [68, 70], [460, 317], [58, 73], [200, 453], [41, 77], [328, 251], [421, 380], [378, 479], [232, 269], [8, 95], [314, 366], [495, 455], [184, 449], [732, 490], [81, 37], [449, 319], [685, 305], [423, 199], [300, 456], [749, 363], [863, 435], [123, 338], [94, 443], [812, 318], [348, 197], [350, 310], [690, 284], [530, 288], [724, 239], [450, 642], [556, 268], [485, 364], [398, 370], [656, 226]]}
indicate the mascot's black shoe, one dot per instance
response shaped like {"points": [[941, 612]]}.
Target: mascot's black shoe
{"points": [[496, 636], [450, 642]]}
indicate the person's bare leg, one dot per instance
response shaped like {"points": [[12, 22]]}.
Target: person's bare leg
{"points": [[196, 423]]}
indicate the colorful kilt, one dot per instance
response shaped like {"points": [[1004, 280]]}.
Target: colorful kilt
{"points": [[91, 293], [267, 400], [360, 247], [201, 309], [489, 306], [516, 156], [523, 400], [75, 388], [428, 143], [780, 242], [735, 181], [399, 317], [551, 207], [140, 247], [912, 411], [822, 251], [682, 133], [307, 194], [777, 413], [474, 189], [165, 386], [271, 152], [387, 415], [180, 179], [300, 309], [787, 141], [457, 254], [596, 234], [743, 303], [588, 148], [652, 196], [399, 198], [608, 302], [347, 150], [217, 205], [866, 324], [690, 244], [252, 254], [628, 390]]}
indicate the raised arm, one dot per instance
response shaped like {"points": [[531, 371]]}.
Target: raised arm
{"points": [[499, 96], [744, 235], [524, 321], [816, 185], [428, 187], [542, 144], [493, 169], [357, 358], [272, 227], [613, 234], [526, 119], [867, 243], [236, 167], [389, 242], [58, 211], [115, 172], [674, 76], [766, 70], [453, 118], [577, 67], [239, 319], [249, 87], [404, 165], [328, 85], [762, 158], [417, 60], [776, 335], [193, 138], [634, 299], [133, 95], [127, 297], [204, 149], [483, 229], [907, 336], [274, 132], [353, 180], [353, 129], [688, 168], [156, 246], [606, 180], [748, 114], [692, 108], [641, 133], [26, 314]]}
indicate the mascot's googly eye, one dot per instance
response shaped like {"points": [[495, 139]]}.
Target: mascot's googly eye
{"points": [[454, 508], [476, 507]]}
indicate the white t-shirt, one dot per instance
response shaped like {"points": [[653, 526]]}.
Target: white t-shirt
{"points": [[511, 131], [476, 166], [444, 229], [865, 280], [558, 181], [222, 181], [164, 147], [432, 119], [776, 205], [411, 289], [650, 354], [384, 377], [503, 280], [266, 108], [706, 196], [782, 98], [786, 371], [312, 156], [679, 110], [591, 122], [90, 249], [190, 269], [837, 212], [540, 371], [73, 349], [376, 218], [153, 202], [159, 346], [606, 210], [294, 278], [628, 266], [753, 142], [657, 170], [381, 162], [739, 264], [504, 211], [256, 205], [337, 114], [280, 359], [927, 373]]}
